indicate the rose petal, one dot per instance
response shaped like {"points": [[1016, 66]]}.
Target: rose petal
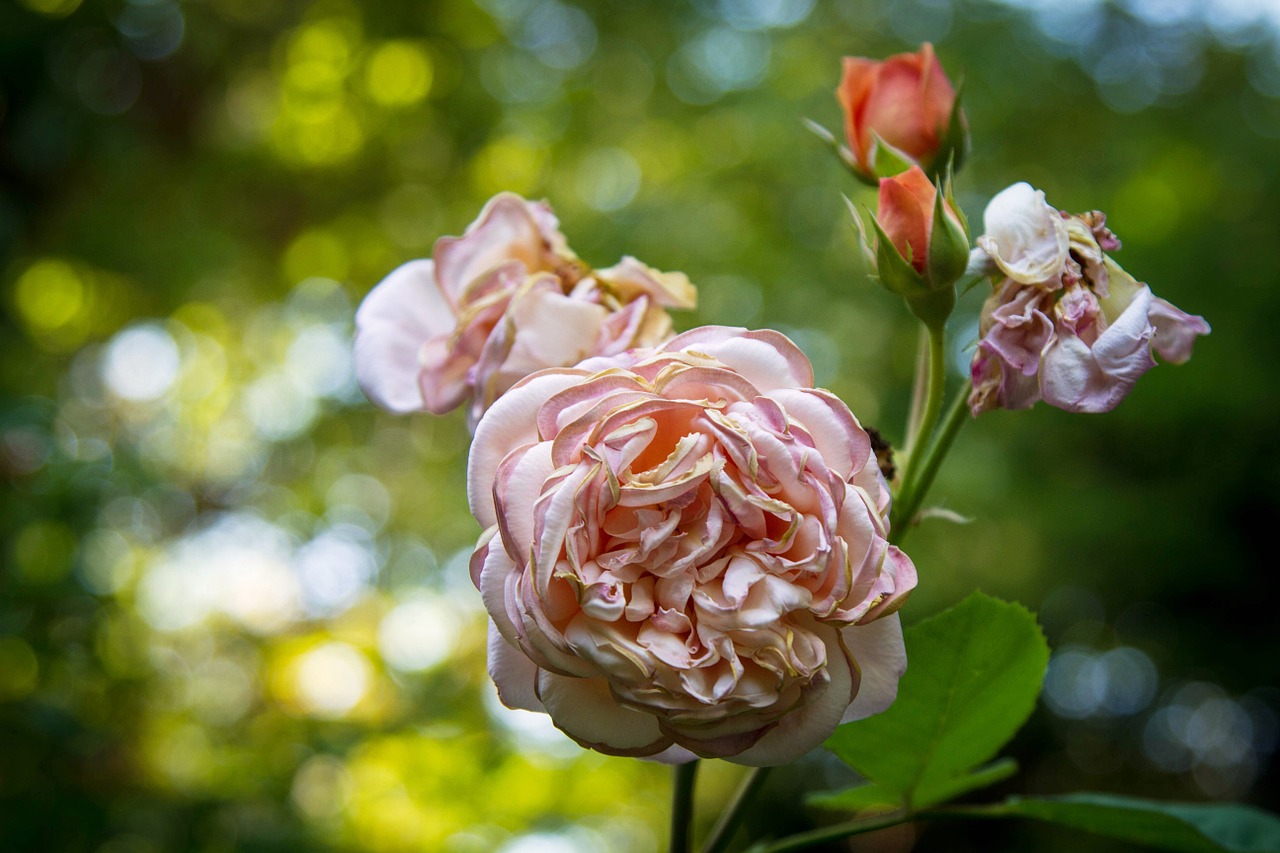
{"points": [[585, 710], [1025, 236], [879, 653], [515, 676], [399, 316]]}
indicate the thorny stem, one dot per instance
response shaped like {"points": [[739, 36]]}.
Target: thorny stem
{"points": [[682, 806], [731, 817]]}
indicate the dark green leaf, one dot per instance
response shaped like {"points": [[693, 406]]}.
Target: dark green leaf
{"points": [[973, 674], [1182, 827]]}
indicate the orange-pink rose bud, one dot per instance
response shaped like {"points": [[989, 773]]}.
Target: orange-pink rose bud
{"points": [[900, 112], [921, 246]]}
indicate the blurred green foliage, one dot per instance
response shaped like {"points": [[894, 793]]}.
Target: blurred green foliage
{"points": [[235, 612]]}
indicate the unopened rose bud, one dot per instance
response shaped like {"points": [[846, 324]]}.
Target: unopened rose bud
{"points": [[901, 112], [921, 244]]}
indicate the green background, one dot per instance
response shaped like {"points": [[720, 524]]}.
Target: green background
{"points": [[234, 611]]}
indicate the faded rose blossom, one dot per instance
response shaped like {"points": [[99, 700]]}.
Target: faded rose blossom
{"points": [[906, 103], [502, 301], [687, 553], [1066, 324]]}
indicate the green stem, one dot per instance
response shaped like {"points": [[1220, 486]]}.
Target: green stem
{"points": [[921, 477], [682, 806], [918, 395], [833, 833], [731, 817], [937, 373], [824, 834]]}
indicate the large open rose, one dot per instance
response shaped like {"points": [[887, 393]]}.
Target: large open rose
{"points": [[686, 552], [504, 300]]}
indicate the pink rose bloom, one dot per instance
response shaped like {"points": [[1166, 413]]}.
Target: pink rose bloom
{"points": [[1066, 324], [686, 552], [504, 300]]}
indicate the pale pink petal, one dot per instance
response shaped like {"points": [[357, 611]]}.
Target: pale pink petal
{"points": [[506, 230], [551, 330], [815, 719], [509, 423], [631, 279], [674, 754], [585, 710], [768, 359], [1078, 378], [1025, 236], [879, 653], [1176, 331], [837, 436], [515, 676], [517, 485], [398, 317]]}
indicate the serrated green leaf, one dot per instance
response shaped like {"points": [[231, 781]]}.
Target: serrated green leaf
{"points": [[1181, 827], [973, 675]]}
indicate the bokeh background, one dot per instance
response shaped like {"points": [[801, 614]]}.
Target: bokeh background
{"points": [[234, 610]]}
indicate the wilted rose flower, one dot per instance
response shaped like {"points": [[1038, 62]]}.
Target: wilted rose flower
{"points": [[686, 552], [1066, 324], [903, 107], [502, 301]]}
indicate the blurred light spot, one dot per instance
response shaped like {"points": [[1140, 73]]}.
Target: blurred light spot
{"points": [[332, 678], [763, 14], [334, 569], [1149, 206], [322, 787], [108, 81], [19, 669], [316, 252], [1081, 683], [720, 60], [239, 566], [319, 361], [608, 179], [360, 500], [398, 73], [510, 163], [546, 842], [24, 450], [419, 633], [141, 363], [220, 692], [49, 294], [922, 20], [562, 36], [43, 550], [52, 8], [278, 409], [153, 28], [1204, 731], [516, 78]]}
